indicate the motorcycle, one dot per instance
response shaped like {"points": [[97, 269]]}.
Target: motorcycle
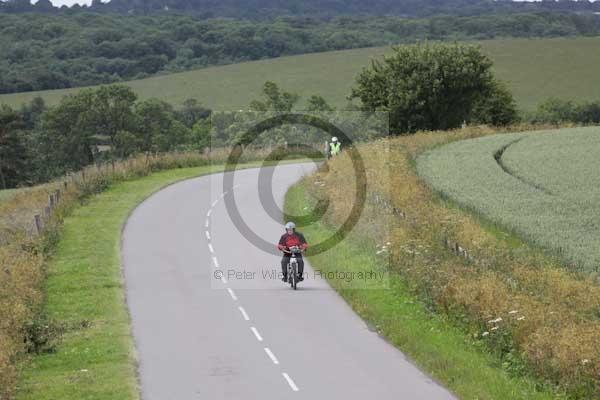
{"points": [[292, 267]]}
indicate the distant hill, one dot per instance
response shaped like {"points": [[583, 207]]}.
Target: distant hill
{"points": [[260, 9], [534, 69]]}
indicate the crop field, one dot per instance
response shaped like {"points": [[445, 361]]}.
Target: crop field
{"points": [[543, 185], [534, 69]]}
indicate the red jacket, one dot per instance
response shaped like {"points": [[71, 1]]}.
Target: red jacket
{"points": [[295, 239]]}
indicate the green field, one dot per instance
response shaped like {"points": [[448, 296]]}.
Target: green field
{"points": [[543, 185], [534, 68]]}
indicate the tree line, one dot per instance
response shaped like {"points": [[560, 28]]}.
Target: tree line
{"points": [[261, 9], [47, 51], [420, 87]]}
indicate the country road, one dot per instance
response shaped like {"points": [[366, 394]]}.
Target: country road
{"points": [[248, 336]]}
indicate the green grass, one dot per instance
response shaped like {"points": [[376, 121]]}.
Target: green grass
{"points": [[84, 288], [549, 193], [534, 68], [7, 194], [439, 348]]}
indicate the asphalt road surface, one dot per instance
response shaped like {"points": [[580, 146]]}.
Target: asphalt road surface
{"points": [[212, 321]]}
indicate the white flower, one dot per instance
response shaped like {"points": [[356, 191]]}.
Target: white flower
{"points": [[513, 312], [521, 318], [485, 333], [585, 361], [494, 328], [493, 321]]}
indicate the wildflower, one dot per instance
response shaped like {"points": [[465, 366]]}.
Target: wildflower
{"points": [[513, 312], [521, 318], [494, 328], [485, 333], [493, 321], [585, 361]]}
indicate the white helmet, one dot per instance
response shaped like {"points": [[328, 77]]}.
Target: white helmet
{"points": [[334, 139], [290, 225]]}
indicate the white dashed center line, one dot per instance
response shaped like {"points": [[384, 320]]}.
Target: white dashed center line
{"points": [[271, 355], [244, 314], [255, 331], [234, 297], [290, 382]]}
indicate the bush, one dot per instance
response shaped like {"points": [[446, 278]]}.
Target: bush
{"points": [[433, 87], [557, 111]]}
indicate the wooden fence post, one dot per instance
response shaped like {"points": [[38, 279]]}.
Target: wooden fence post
{"points": [[37, 220]]}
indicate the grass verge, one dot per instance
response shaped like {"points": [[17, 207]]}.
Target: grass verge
{"points": [[84, 292], [437, 346]]}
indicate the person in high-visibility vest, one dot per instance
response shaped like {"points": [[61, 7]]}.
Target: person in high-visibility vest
{"points": [[335, 146]]}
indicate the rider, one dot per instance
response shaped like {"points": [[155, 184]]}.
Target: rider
{"points": [[289, 239], [334, 146]]}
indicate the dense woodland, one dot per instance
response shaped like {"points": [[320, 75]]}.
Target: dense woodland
{"points": [[261, 9], [42, 51]]}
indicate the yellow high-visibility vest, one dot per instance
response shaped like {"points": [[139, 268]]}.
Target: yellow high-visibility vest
{"points": [[335, 148]]}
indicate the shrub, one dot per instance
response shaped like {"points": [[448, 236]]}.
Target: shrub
{"points": [[433, 87]]}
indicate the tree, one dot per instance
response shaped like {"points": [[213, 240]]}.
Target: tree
{"points": [[318, 103], [556, 111], [192, 112], [156, 127], [66, 138], [112, 111], [32, 112], [495, 107], [426, 86], [274, 99], [12, 151], [201, 134]]}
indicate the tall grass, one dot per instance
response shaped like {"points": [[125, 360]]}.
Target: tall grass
{"points": [[23, 252], [515, 300]]}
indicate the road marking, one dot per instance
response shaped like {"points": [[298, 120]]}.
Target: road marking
{"points": [[233, 296], [206, 223], [255, 331], [246, 317], [290, 382], [211, 248], [271, 356], [215, 202], [216, 262], [208, 235], [209, 212], [223, 280]]}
